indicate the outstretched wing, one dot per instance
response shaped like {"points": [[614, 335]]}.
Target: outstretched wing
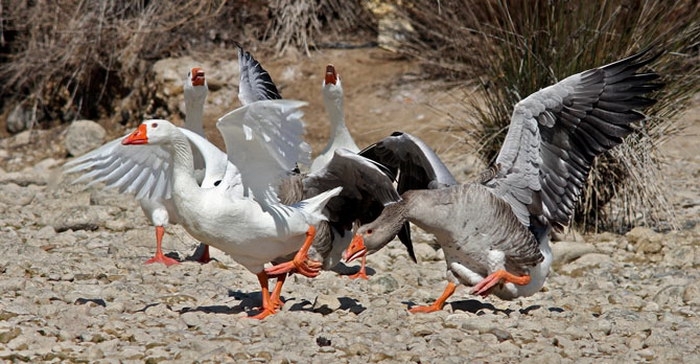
{"points": [[556, 132], [255, 82], [419, 166], [143, 170], [264, 140]]}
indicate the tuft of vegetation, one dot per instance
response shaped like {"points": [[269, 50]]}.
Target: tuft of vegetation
{"points": [[64, 60], [518, 47], [305, 24]]}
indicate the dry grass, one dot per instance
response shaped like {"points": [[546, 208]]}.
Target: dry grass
{"points": [[69, 59], [517, 47], [304, 24]]}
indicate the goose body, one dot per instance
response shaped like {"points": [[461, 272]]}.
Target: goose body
{"points": [[263, 141], [495, 231], [119, 167]]}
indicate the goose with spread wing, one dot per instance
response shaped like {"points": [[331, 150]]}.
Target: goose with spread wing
{"points": [[495, 232], [119, 167], [255, 84], [263, 140]]}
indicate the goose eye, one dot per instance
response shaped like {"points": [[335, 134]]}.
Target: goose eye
{"points": [[369, 232], [154, 125]]}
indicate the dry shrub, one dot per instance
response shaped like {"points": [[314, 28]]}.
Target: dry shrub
{"points": [[305, 24], [516, 47], [69, 59]]}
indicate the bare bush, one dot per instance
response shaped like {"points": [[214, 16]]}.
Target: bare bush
{"points": [[305, 24], [517, 47], [70, 59]]}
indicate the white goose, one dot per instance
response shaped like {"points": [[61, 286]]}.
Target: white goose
{"points": [[118, 166], [263, 139], [340, 137], [255, 84], [495, 233]]}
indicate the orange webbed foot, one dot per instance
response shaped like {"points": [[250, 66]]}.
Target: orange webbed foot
{"points": [[439, 303], [301, 263], [160, 258], [424, 309], [500, 276], [362, 273]]}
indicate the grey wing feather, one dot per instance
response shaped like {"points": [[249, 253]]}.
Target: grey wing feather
{"points": [[419, 166], [255, 82], [364, 184], [556, 132]]}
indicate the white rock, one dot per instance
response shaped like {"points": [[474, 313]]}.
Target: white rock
{"points": [[83, 136]]}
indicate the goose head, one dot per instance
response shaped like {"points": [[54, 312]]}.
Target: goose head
{"points": [[153, 131], [332, 88], [196, 88], [371, 237]]}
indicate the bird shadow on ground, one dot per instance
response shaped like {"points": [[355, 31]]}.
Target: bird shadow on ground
{"points": [[345, 270], [221, 309], [479, 308]]}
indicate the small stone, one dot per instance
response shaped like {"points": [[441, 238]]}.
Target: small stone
{"points": [[9, 334], [425, 253], [20, 118], [191, 319], [81, 218], [565, 252], [384, 283], [645, 240], [326, 304], [12, 194]]}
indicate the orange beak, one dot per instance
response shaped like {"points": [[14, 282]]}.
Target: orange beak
{"points": [[331, 76], [356, 249], [137, 137], [197, 76]]}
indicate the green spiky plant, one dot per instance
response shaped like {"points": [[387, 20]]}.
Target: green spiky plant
{"points": [[518, 47]]}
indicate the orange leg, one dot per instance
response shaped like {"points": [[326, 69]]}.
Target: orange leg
{"points": [[362, 273], [498, 277], [439, 303], [267, 308], [275, 298], [205, 257], [160, 257], [301, 263]]}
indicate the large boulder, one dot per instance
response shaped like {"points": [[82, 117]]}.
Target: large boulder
{"points": [[83, 136]]}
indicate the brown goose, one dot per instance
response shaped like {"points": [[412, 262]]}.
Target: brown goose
{"points": [[495, 233]]}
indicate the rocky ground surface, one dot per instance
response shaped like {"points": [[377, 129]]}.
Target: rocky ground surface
{"points": [[73, 286]]}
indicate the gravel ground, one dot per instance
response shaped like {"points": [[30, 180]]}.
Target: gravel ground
{"points": [[74, 288]]}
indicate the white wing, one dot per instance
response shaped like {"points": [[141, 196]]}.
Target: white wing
{"points": [[145, 170], [556, 132], [142, 170], [264, 140]]}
